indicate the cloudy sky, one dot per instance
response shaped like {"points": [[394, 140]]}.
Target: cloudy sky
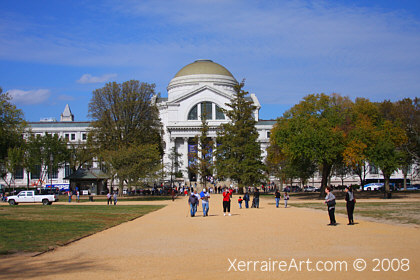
{"points": [[54, 53]]}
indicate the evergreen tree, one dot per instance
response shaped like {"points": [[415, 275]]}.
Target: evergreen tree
{"points": [[203, 165], [238, 153]]}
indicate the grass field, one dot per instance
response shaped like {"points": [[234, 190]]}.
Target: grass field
{"points": [[395, 212], [37, 228]]}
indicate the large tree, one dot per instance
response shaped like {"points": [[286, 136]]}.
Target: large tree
{"points": [[203, 159], [360, 138], [238, 152], [126, 121], [12, 126], [314, 130]]}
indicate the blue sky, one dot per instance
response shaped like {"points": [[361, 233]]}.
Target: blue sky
{"points": [[57, 52]]}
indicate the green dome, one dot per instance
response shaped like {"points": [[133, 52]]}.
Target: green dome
{"points": [[203, 66]]}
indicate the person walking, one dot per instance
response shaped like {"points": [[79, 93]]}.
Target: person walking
{"points": [[286, 199], [330, 201], [204, 195], [115, 198], [246, 199], [70, 194], [257, 198], [277, 198], [227, 194], [198, 199], [192, 201], [108, 196], [240, 202], [350, 202], [78, 195]]}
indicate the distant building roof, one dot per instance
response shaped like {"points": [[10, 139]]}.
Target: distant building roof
{"points": [[83, 174], [67, 116], [58, 124], [266, 122]]}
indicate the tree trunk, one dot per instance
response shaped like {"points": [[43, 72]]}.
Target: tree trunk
{"points": [[326, 170], [405, 180], [387, 189]]}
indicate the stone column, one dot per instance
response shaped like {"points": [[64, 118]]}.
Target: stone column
{"points": [[185, 158]]}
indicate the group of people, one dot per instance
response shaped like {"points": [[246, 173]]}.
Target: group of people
{"points": [[350, 203], [111, 198], [277, 197], [195, 198]]}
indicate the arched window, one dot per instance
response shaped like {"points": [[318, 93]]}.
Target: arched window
{"points": [[193, 114], [219, 113], [206, 109]]}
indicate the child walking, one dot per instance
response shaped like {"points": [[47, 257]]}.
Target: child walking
{"points": [[240, 202], [286, 198]]}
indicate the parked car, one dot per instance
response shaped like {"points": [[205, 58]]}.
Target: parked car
{"points": [[309, 189]]}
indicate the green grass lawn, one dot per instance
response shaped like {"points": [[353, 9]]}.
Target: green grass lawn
{"points": [[37, 228], [397, 212]]}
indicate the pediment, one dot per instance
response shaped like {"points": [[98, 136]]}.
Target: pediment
{"points": [[198, 91]]}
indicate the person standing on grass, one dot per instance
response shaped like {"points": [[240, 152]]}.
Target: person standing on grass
{"points": [[226, 201], [286, 198], [330, 201], [350, 202], [115, 198], [246, 199], [204, 195], [70, 194], [78, 195], [277, 198], [193, 201]]}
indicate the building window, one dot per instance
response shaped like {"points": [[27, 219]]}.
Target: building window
{"points": [[193, 114], [67, 171], [207, 110], [19, 173], [268, 134], [67, 136], [73, 136], [83, 136], [37, 172], [373, 169], [219, 113], [53, 174]]}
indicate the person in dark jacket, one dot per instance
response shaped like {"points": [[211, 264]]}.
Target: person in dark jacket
{"points": [[257, 198], [193, 201], [350, 202], [246, 199], [330, 201]]}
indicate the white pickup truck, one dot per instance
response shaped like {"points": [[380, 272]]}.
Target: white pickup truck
{"points": [[31, 197]]}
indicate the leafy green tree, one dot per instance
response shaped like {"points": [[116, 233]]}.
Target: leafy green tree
{"points": [[14, 162], [360, 138], [12, 126], [390, 138], [203, 163], [314, 130], [125, 120], [238, 152], [174, 164]]}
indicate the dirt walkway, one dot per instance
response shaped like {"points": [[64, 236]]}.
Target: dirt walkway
{"points": [[168, 244]]}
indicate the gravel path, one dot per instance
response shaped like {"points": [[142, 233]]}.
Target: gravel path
{"points": [[168, 244]]}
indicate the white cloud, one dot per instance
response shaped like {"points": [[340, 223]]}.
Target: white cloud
{"points": [[89, 79], [29, 97], [65, 97]]}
